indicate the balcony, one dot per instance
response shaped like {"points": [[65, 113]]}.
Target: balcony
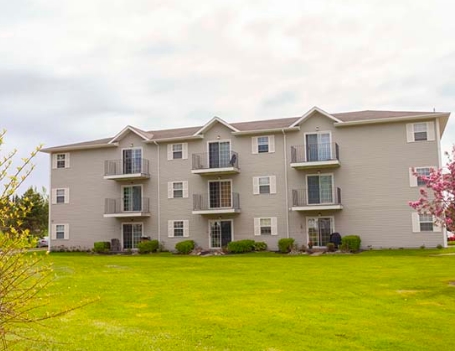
{"points": [[303, 200], [205, 204], [129, 169], [218, 164], [321, 155], [126, 207]]}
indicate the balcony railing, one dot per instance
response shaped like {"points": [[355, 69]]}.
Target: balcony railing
{"points": [[125, 207], [205, 204], [215, 164], [308, 199], [137, 168], [315, 155]]}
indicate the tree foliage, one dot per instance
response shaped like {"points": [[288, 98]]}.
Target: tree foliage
{"points": [[37, 218], [438, 196], [22, 275]]}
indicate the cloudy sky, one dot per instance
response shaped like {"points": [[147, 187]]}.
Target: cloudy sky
{"points": [[73, 71]]}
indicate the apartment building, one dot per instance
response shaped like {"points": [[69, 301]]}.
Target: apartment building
{"points": [[301, 177]]}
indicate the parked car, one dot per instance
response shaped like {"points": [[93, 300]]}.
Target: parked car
{"points": [[43, 242]]}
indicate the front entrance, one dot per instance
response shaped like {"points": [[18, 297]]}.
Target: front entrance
{"points": [[319, 230], [220, 233]]}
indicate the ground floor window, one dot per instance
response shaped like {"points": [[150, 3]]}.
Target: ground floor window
{"points": [[426, 222], [265, 226], [132, 233], [60, 231]]}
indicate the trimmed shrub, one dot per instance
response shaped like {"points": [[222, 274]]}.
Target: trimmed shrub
{"points": [[331, 247], [101, 246], [241, 246], [285, 245], [185, 247], [148, 246], [350, 243], [260, 246]]}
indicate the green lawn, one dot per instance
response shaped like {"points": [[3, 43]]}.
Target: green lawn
{"points": [[376, 300]]}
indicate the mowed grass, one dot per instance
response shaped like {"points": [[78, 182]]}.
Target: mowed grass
{"points": [[376, 300]]}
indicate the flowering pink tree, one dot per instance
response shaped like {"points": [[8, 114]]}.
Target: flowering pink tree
{"points": [[438, 198]]}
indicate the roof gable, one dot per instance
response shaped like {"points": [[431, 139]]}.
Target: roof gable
{"points": [[310, 112], [210, 124], [130, 129]]}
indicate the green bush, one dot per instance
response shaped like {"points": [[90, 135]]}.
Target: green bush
{"points": [[260, 246], [331, 247], [148, 246], [241, 246], [101, 246], [350, 243], [285, 245], [185, 247]]}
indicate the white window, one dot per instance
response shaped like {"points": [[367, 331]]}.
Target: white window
{"points": [[60, 231], [422, 172], [177, 151], [132, 160], [132, 200], [60, 196], [424, 223], [61, 160], [264, 185], [178, 228], [320, 189], [420, 131], [177, 190], [265, 226], [263, 144]]}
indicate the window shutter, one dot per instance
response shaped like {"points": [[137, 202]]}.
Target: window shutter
{"points": [[436, 226], [271, 143], [54, 232], [54, 161], [415, 222], [170, 229], [169, 152], [254, 145], [255, 185], [274, 226], [186, 228], [67, 160], [170, 190], [430, 131], [67, 195], [257, 226], [272, 184], [53, 196], [412, 179], [410, 132], [67, 231], [185, 151], [185, 189]]}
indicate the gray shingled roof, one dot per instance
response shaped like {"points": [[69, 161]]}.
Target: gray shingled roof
{"points": [[366, 115]]}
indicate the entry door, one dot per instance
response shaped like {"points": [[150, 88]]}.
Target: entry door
{"points": [[220, 233], [318, 147], [132, 161], [319, 230], [220, 194], [219, 154], [132, 233], [132, 198], [319, 189]]}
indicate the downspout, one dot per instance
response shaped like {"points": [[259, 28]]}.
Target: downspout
{"points": [[286, 182], [438, 142], [49, 206], [158, 189]]}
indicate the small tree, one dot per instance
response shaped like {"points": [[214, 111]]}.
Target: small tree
{"points": [[438, 198], [22, 275]]}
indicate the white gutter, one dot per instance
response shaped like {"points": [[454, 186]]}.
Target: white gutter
{"points": [[392, 119], [49, 206], [158, 189], [264, 131], [167, 140], [75, 148], [286, 182]]}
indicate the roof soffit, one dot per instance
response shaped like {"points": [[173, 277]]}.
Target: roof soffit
{"points": [[313, 111]]}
